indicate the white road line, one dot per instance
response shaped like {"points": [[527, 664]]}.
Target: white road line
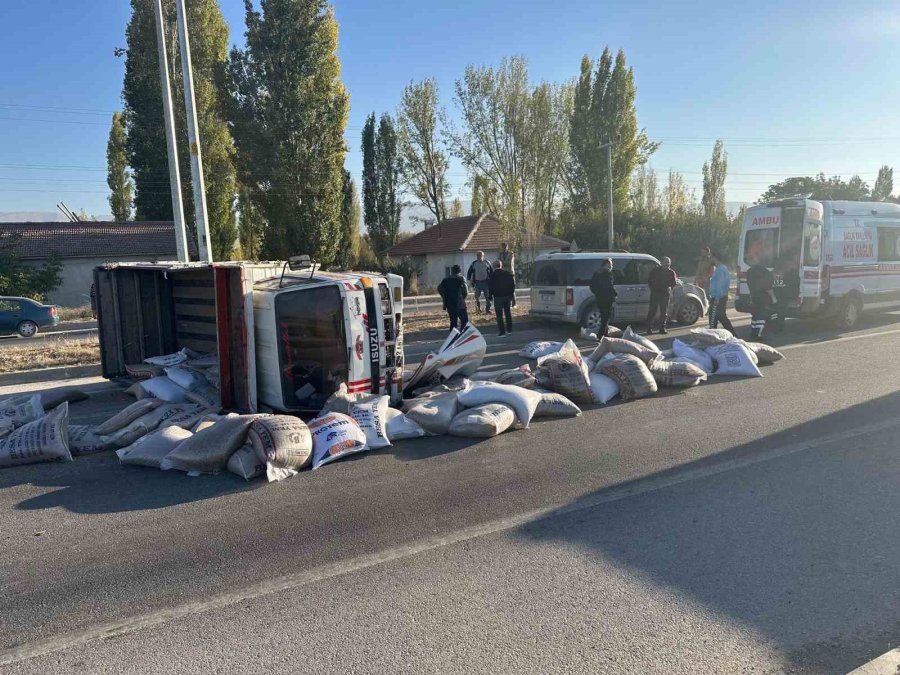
{"points": [[293, 581], [886, 664]]}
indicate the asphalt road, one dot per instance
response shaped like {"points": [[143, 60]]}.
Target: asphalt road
{"points": [[740, 526]]}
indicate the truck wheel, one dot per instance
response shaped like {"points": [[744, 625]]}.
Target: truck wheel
{"points": [[591, 319], [851, 310], [689, 312], [27, 329]]}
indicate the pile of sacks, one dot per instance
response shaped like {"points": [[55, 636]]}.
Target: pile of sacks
{"points": [[633, 367], [183, 377]]}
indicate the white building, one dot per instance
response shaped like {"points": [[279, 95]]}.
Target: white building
{"points": [[456, 241]]}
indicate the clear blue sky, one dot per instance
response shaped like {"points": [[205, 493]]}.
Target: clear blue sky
{"points": [[792, 87]]}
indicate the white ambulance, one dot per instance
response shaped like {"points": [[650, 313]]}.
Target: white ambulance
{"points": [[836, 255]]}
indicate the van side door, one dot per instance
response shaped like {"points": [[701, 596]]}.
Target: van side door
{"points": [[626, 281]]}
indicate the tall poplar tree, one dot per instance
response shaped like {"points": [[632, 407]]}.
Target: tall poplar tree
{"points": [[884, 184], [288, 111], [349, 248], [370, 176], [381, 182], [714, 173], [146, 141], [117, 176]]}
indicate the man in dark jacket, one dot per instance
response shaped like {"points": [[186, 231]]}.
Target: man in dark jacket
{"points": [[453, 292], [661, 281], [761, 283], [503, 290], [604, 291]]}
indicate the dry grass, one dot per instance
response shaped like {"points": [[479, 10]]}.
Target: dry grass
{"points": [[82, 313], [439, 321], [37, 353]]}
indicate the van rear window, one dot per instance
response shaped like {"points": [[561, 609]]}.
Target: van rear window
{"points": [[760, 247], [549, 273]]}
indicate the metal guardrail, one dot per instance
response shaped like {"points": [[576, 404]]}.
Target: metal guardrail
{"points": [[414, 304]]}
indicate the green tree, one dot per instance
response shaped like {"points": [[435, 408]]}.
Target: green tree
{"points": [[388, 163], [424, 165], [610, 116], [370, 176], [19, 279], [818, 187], [117, 177], [678, 198], [456, 209], [288, 111], [645, 194], [884, 184], [714, 174], [349, 249], [251, 226], [481, 196], [146, 144]]}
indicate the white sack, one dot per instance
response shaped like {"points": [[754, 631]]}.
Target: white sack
{"points": [[164, 389], [83, 440], [400, 427], [631, 374], [43, 440], [126, 416], [610, 345], [540, 348], [168, 359], [603, 388], [765, 354], [335, 435], [709, 337], [676, 373], [208, 451], [631, 336], [16, 411], [371, 416], [151, 450], [522, 401], [698, 356], [185, 377], [735, 358], [433, 413], [247, 465], [556, 405], [483, 421], [283, 443], [567, 374]]}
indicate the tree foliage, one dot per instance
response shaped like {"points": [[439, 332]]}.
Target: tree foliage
{"points": [[349, 245], [423, 163], [884, 184], [21, 280], [456, 209], [251, 226], [117, 176], [604, 111], [483, 196], [381, 182], [818, 187], [714, 174], [369, 174], [146, 144], [288, 112]]}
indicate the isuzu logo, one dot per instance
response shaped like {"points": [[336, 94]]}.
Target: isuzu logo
{"points": [[373, 344]]}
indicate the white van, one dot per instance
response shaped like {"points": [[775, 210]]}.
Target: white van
{"points": [[844, 254], [560, 289]]}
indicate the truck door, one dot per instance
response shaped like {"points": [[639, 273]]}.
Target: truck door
{"points": [[359, 375]]}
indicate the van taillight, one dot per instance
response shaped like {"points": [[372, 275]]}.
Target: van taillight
{"points": [[570, 296]]}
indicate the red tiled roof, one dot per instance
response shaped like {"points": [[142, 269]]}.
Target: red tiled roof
{"points": [[37, 241], [469, 233]]}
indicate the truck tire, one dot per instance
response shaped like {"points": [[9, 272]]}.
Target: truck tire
{"points": [[689, 312], [850, 311]]}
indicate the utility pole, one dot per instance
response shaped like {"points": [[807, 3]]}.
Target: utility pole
{"points": [[200, 215], [609, 205], [174, 173]]}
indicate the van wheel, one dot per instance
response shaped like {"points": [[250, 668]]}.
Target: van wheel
{"points": [[689, 312], [27, 329], [591, 319], [851, 310]]}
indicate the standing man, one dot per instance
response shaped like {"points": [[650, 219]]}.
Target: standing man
{"points": [[453, 292], [718, 294], [480, 274], [508, 258], [760, 282], [705, 269], [604, 291], [662, 280], [503, 290]]}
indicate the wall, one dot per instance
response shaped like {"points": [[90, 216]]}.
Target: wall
{"points": [[77, 277]]}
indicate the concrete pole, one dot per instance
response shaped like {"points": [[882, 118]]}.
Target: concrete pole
{"points": [[609, 147], [174, 173], [200, 215]]}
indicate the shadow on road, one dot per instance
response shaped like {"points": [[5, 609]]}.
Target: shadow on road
{"points": [[802, 548]]}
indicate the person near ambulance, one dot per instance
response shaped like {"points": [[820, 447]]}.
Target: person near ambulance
{"points": [[760, 282], [604, 290], [787, 286], [453, 293], [661, 281], [508, 258], [719, 284], [479, 274], [705, 268], [503, 290]]}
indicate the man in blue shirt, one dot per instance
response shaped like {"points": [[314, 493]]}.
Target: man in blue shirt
{"points": [[719, 284]]}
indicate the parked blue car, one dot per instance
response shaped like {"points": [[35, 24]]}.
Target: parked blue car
{"points": [[25, 317]]}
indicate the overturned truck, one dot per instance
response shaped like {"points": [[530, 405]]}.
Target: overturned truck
{"points": [[286, 336]]}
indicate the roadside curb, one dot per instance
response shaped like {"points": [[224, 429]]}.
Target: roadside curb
{"points": [[49, 374], [886, 664]]}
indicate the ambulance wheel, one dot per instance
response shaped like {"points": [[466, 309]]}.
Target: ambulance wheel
{"points": [[850, 312], [689, 312]]}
